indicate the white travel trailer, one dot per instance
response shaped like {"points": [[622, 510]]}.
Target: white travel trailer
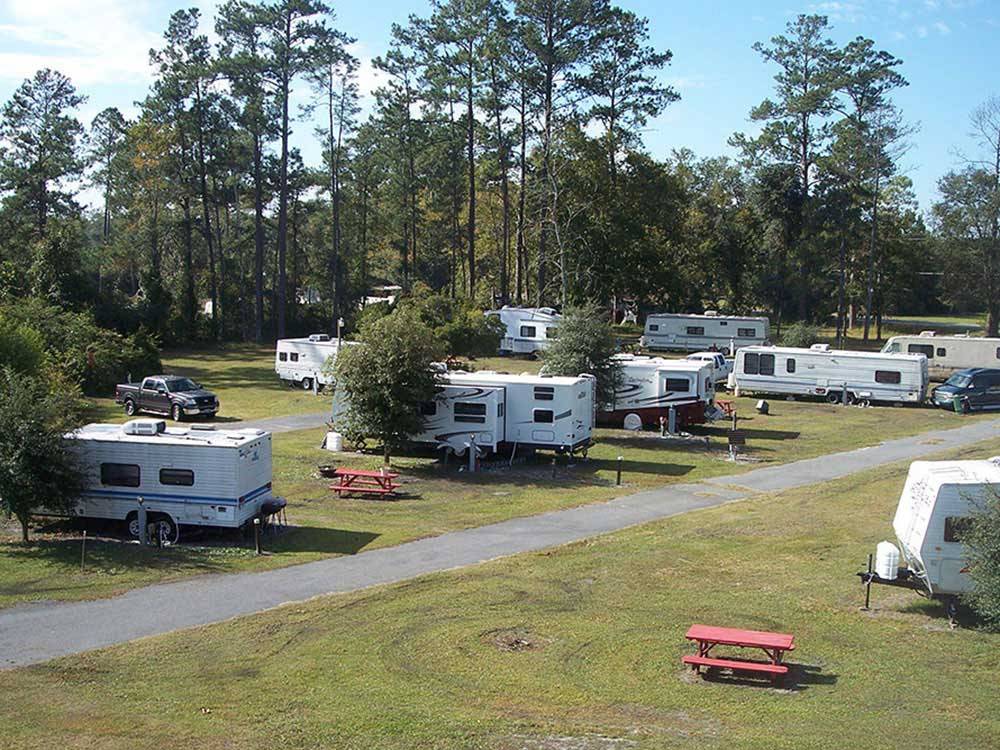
{"points": [[493, 409], [938, 499], [651, 386], [822, 371], [945, 354], [196, 475], [528, 328], [692, 333], [302, 361]]}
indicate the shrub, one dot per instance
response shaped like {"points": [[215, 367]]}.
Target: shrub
{"points": [[982, 539], [585, 344], [800, 334]]}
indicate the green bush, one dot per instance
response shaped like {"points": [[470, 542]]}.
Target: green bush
{"points": [[800, 334], [982, 538], [91, 356], [22, 348], [585, 344], [458, 323]]}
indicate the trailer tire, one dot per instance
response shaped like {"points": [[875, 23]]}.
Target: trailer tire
{"points": [[129, 407], [306, 384], [164, 524]]}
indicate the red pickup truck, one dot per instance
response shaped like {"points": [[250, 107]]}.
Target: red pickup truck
{"points": [[167, 395]]}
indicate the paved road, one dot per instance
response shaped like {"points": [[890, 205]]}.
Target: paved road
{"points": [[284, 424], [38, 632]]}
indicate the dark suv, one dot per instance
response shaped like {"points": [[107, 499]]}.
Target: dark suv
{"points": [[977, 388]]}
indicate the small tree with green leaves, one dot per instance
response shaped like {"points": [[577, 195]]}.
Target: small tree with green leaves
{"points": [[37, 471], [383, 382], [982, 539], [585, 343], [800, 334]]}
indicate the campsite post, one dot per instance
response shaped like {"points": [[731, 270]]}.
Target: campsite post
{"points": [[256, 534], [143, 539], [868, 584], [618, 479]]}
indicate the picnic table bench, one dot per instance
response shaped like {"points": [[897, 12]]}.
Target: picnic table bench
{"points": [[774, 645], [726, 406], [363, 482]]}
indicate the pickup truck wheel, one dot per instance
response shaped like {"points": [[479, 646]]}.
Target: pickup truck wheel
{"points": [[130, 407], [175, 412], [306, 384]]}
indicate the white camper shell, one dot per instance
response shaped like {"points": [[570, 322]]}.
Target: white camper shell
{"points": [[490, 409], [652, 385], [302, 361], [945, 354], [938, 499], [692, 333], [529, 329], [822, 371], [196, 475]]}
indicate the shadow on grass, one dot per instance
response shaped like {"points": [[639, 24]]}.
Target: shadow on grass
{"points": [[316, 539], [936, 609], [800, 677], [750, 433]]}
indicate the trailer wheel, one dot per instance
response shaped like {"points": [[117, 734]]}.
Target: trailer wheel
{"points": [[166, 529], [306, 384], [130, 407]]}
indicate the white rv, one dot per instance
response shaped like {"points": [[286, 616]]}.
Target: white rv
{"points": [[938, 499], [302, 361], [692, 333], [945, 354], [197, 475], [822, 371], [493, 409], [651, 385], [529, 329]]}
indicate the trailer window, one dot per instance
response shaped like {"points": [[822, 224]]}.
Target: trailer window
{"points": [[955, 527], [544, 393], [429, 408], [677, 384], [282, 356], [998, 352], [747, 333], [120, 475], [751, 363], [528, 332], [926, 349], [544, 415], [790, 365], [470, 412], [887, 376], [178, 477], [942, 352], [696, 330], [767, 364], [656, 327], [294, 356]]}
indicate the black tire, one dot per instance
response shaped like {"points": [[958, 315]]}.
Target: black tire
{"points": [[966, 407], [306, 384], [175, 413], [130, 409], [165, 526]]}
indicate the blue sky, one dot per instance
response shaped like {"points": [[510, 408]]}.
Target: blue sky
{"points": [[949, 49]]}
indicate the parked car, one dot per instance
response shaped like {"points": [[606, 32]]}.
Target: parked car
{"points": [[169, 395], [720, 365], [978, 388]]}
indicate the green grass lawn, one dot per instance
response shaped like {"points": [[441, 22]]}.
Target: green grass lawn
{"points": [[576, 647], [439, 499], [243, 377]]}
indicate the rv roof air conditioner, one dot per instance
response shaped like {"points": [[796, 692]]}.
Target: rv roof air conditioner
{"points": [[820, 347], [144, 427], [547, 310], [319, 337], [927, 333], [711, 313]]}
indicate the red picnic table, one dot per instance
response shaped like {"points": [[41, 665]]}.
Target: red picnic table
{"points": [[708, 637], [361, 481]]}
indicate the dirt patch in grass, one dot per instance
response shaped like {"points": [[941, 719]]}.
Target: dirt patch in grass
{"points": [[512, 640]]}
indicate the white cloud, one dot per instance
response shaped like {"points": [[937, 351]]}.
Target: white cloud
{"points": [[942, 28], [94, 42]]}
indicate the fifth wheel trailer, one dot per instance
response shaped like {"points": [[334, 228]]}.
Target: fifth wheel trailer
{"points": [[650, 386], [692, 333], [821, 371], [945, 354]]}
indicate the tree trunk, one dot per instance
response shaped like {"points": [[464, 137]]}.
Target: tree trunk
{"points": [[504, 189], [207, 224], [870, 279], [519, 252], [286, 85], [385, 453], [470, 155], [25, 520], [258, 239], [188, 305], [841, 291]]}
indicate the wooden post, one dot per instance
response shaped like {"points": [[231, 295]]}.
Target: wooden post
{"points": [[868, 584]]}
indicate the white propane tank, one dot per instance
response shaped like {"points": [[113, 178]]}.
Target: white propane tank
{"points": [[886, 561], [334, 442], [632, 422]]}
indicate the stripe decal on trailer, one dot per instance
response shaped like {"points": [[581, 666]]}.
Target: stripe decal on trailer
{"points": [[176, 498]]}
